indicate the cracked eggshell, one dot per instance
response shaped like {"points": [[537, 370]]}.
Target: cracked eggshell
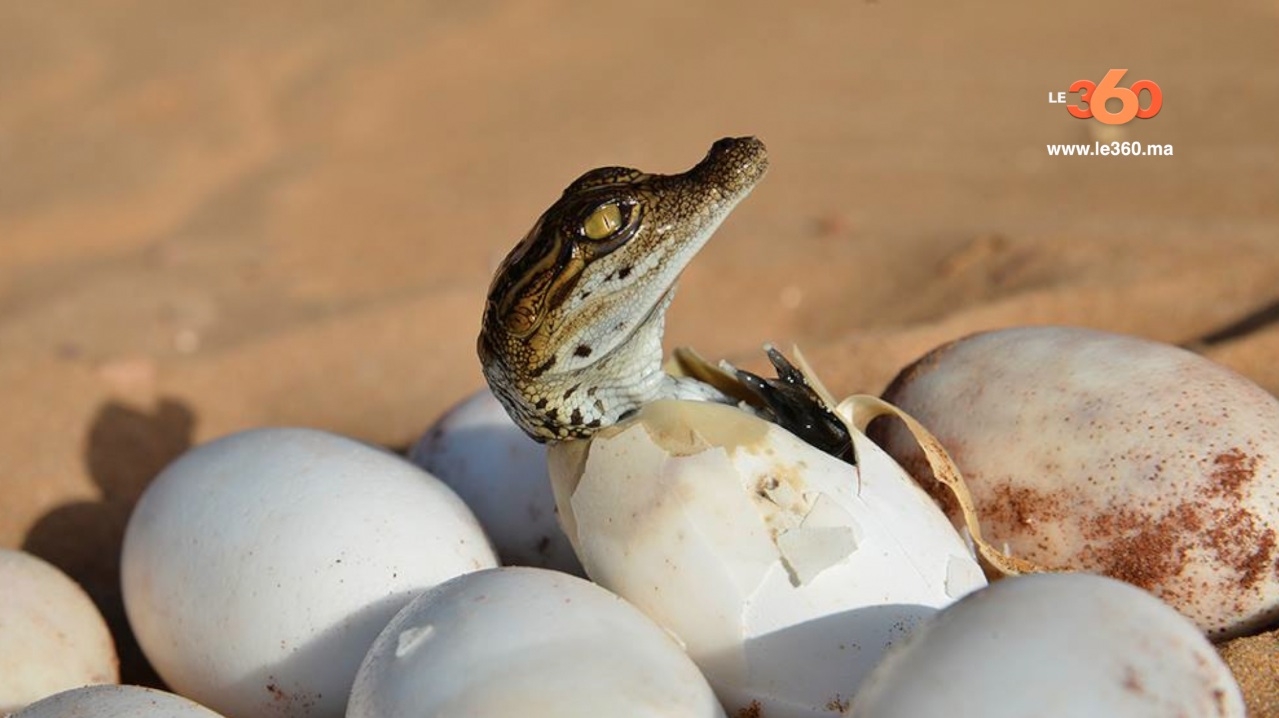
{"points": [[258, 568], [500, 473], [52, 636], [526, 642], [1091, 451], [1065, 645], [785, 572], [115, 702]]}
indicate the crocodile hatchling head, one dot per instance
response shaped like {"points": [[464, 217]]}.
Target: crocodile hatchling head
{"points": [[571, 339]]}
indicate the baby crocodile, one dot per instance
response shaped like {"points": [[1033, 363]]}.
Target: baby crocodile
{"points": [[572, 333]]}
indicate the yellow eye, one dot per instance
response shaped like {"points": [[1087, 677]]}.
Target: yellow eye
{"points": [[603, 222]]}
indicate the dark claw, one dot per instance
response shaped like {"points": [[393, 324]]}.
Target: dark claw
{"points": [[792, 404]]}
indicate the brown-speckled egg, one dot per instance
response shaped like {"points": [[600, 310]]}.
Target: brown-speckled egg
{"points": [[1092, 451]]}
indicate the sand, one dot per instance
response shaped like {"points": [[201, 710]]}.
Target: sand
{"points": [[230, 215]]}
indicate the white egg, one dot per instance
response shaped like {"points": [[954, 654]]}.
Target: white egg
{"points": [[1061, 645], [785, 572], [52, 636], [115, 702], [501, 475], [526, 642], [1104, 453], [257, 569]]}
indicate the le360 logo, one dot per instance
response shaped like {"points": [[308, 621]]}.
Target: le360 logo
{"points": [[1093, 97]]}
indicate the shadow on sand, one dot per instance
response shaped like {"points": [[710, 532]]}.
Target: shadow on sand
{"points": [[124, 449]]}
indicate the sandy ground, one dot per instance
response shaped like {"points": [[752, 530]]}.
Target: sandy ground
{"points": [[232, 214]]}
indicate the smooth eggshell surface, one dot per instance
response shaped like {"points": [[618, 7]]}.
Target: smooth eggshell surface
{"points": [[52, 636], [501, 475], [784, 571], [258, 568], [526, 642], [115, 702], [1061, 645], [1104, 453]]}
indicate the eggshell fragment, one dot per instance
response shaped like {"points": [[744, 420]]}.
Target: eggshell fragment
{"points": [[1098, 452], [1061, 645], [115, 702], [526, 642], [500, 473], [52, 636], [258, 569], [784, 571]]}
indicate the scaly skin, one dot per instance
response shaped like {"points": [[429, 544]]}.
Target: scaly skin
{"points": [[572, 333]]}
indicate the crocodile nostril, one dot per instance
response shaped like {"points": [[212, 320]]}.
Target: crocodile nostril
{"points": [[733, 163]]}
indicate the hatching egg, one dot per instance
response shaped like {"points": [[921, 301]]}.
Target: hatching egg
{"points": [[784, 571], [526, 642], [1062, 645], [52, 636], [115, 702], [258, 568], [500, 473], [1098, 452]]}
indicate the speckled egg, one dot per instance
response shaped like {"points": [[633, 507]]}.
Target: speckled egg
{"points": [[1092, 451]]}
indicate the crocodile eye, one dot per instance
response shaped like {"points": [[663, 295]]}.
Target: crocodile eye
{"points": [[604, 222]]}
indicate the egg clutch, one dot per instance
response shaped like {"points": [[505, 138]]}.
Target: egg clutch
{"points": [[697, 560]]}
